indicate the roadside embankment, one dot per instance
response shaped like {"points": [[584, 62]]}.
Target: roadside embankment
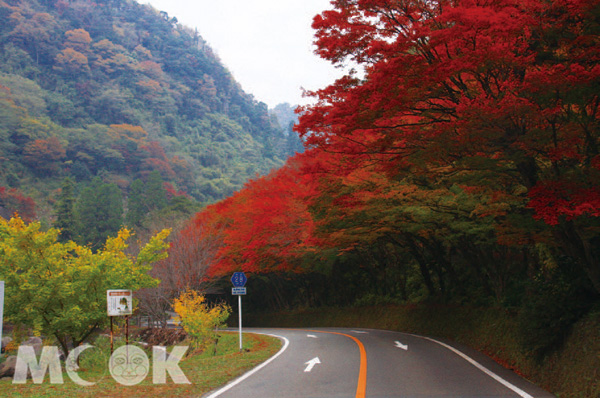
{"points": [[571, 370]]}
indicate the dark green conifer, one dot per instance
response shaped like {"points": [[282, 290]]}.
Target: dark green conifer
{"points": [[99, 212], [65, 214]]}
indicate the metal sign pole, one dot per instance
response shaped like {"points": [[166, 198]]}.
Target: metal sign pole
{"points": [[1, 312], [111, 335], [239, 281], [240, 318]]}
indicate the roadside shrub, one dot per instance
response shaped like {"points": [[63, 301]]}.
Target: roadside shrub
{"points": [[556, 299], [199, 319], [371, 299]]}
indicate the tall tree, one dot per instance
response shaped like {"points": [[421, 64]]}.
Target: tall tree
{"points": [[65, 211], [500, 90], [99, 212], [155, 192], [136, 203], [58, 289], [263, 228]]}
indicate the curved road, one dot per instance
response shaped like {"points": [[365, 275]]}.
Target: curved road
{"points": [[357, 363]]}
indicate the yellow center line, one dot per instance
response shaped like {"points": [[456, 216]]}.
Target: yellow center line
{"points": [[361, 388]]}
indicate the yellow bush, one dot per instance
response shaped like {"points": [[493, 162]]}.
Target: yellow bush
{"points": [[11, 348], [200, 320]]}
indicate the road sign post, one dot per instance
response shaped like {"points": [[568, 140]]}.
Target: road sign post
{"points": [[240, 319], [1, 312], [239, 280], [119, 303]]}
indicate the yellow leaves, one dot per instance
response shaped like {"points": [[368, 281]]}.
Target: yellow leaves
{"points": [[155, 249], [128, 132], [66, 280], [15, 223], [200, 320], [188, 303], [118, 244], [34, 128]]}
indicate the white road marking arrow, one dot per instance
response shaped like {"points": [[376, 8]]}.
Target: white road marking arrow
{"points": [[400, 345], [311, 364], [312, 336], [359, 331]]}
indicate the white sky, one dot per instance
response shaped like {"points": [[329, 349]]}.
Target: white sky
{"points": [[265, 44]]}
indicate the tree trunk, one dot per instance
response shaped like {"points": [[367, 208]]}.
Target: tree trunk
{"points": [[425, 273]]}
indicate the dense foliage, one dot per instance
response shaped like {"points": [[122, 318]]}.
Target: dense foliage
{"points": [[460, 164], [199, 319], [59, 289], [119, 90]]}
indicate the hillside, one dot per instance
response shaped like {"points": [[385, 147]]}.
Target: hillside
{"points": [[119, 90]]}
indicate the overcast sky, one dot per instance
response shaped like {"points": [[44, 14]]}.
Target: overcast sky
{"points": [[265, 44]]}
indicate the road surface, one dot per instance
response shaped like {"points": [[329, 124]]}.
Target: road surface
{"points": [[357, 363]]}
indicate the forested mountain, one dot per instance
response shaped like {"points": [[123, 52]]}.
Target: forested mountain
{"points": [[119, 90]]}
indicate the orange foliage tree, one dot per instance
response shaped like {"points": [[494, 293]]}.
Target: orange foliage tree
{"points": [[78, 39], [44, 154]]}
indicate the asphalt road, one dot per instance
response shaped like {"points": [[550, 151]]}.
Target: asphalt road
{"points": [[349, 363]]}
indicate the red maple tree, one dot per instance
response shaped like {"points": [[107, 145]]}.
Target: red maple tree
{"points": [[497, 95]]}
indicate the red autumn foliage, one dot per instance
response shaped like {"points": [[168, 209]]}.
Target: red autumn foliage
{"points": [[13, 201], [468, 121], [157, 160], [172, 192], [500, 95], [263, 227], [555, 199], [448, 82]]}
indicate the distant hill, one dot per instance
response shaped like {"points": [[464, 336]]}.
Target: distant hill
{"points": [[117, 89], [287, 117], [285, 114]]}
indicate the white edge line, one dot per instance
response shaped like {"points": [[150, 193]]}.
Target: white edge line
{"points": [[479, 366], [243, 377]]}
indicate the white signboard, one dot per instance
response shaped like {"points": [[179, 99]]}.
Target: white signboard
{"points": [[236, 291], [119, 302]]}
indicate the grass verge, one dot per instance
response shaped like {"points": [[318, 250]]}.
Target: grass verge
{"points": [[571, 371], [205, 372]]}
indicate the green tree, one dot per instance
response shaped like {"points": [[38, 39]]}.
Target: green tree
{"points": [[156, 195], [136, 208], [145, 198], [37, 35], [59, 289], [99, 212], [65, 211]]}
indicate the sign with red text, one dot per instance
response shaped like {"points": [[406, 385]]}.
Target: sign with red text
{"points": [[119, 302]]}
